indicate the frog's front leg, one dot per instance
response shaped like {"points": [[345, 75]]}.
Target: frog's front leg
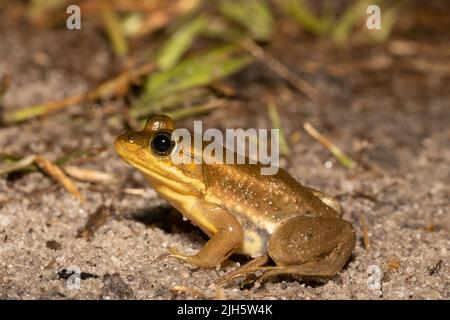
{"points": [[222, 243]]}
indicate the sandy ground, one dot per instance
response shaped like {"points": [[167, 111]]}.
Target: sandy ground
{"points": [[393, 118]]}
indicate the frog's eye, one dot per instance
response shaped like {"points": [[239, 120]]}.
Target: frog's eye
{"points": [[162, 144]]}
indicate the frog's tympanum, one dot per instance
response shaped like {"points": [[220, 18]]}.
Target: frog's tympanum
{"points": [[261, 216]]}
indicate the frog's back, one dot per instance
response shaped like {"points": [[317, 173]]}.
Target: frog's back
{"points": [[261, 201]]}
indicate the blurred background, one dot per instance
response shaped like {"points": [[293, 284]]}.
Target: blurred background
{"points": [[363, 114]]}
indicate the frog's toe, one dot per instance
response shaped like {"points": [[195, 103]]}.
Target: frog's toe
{"points": [[242, 273], [247, 269], [222, 281], [195, 260], [174, 253], [227, 278], [303, 274], [275, 272]]}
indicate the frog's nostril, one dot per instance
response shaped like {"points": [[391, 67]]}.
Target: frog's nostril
{"points": [[130, 139]]}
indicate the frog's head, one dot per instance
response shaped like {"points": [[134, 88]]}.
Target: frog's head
{"points": [[150, 151]]}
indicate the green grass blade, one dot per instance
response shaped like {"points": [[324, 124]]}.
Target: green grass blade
{"points": [[349, 19], [254, 15], [193, 72], [389, 18], [114, 29], [170, 101], [179, 43], [276, 124], [300, 11]]}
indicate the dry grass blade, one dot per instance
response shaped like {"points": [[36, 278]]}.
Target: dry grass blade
{"points": [[160, 18], [343, 159], [189, 291], [56, 173], [223, 88], [44, 13], [110, 88], [276, 124], [16, 116], [17, 165], [119, 85], [153, 22], [365, 230], [5, 82], [280, 69], [145, 193], [10, 161], [88, 175], [135, 191]]}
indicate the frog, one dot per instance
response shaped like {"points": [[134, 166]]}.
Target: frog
{"points": [[283, 227]]}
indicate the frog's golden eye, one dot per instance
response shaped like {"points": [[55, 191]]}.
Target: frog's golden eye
{"points": [[162, 144]]}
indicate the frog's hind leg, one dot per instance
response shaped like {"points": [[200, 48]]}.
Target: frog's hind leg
{"points": [[250, 267], [311, 247]]}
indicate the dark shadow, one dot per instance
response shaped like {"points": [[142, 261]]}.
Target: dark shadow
{"points": [[167, 218]]}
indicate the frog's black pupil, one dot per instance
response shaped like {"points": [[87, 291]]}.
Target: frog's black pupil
{"points": [[162, 143]]}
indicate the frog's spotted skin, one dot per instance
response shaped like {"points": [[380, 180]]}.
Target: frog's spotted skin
{"points": [[242, 211]]}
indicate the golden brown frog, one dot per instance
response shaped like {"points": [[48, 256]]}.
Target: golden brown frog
{"points": [[242, 211]]}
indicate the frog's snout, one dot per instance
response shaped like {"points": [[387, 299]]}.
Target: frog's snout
{"points": [[122, 141]]}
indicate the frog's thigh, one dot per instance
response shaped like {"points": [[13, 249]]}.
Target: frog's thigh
{"points": [[328, 200], [311, 247]]}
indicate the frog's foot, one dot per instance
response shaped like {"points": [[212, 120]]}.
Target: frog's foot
{"points": [[299, 271], [249, 268], [191, 259], [241, 273], [174, 253], [304, 273], [308, 271], [199, 260]]}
